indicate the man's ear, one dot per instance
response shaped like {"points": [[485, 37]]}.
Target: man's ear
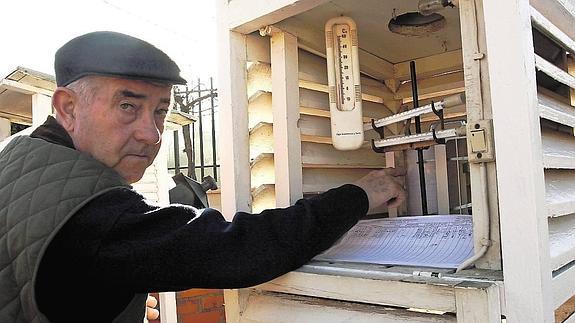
{"points": [[65, 102]]}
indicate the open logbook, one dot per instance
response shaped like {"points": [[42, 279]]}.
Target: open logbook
{"points": [[440, 241]]}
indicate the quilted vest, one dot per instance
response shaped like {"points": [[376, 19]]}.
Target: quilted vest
{"points": [[42, 185]]}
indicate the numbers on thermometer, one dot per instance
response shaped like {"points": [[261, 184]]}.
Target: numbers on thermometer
{"points": [[344, 69]]}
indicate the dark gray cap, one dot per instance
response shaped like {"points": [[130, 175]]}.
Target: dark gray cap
{"points": [[114, 54]]}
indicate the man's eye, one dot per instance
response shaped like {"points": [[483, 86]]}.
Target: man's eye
{"points": [[162, 112], [127, 106]]}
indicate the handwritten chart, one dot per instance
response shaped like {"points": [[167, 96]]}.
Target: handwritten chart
{"points": [[441, 241]]}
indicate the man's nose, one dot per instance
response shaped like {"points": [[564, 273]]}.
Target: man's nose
{"points": [[147, 131]]}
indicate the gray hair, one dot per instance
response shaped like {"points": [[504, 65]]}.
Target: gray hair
{"points": [[86, 89]]}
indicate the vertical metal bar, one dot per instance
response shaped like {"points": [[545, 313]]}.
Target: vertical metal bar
{"points": [[201, 131], [418, 130], [214, 156], [176, 152]]}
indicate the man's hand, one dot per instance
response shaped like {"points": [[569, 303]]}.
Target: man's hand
{"points": [[151, 312], [383, 187]]}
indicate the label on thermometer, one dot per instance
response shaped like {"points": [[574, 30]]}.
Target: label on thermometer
{"points": [[344, 83]]}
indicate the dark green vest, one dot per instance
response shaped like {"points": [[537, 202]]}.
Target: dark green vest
{"points": [[41, 186]]}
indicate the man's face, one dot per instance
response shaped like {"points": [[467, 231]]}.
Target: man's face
{"points": [[122, 125]]}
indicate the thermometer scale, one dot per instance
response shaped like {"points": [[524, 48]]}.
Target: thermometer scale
{"points": [[344, 83]]}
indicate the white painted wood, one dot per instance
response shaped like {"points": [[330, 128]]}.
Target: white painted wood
{"points": [[570, 319], [5, 128], [558, 149], [285, 103], [261, 140], [278, 307], [234, 159], [441, 179], [264, 198], [559, 12], [41, 108], [262, 171], [563, 286], [430, 86], [555, 72], [560, 192], [317, 180], [319, 100], [477, 302], [247, 16], [260, 109], [313, 41], [478, 107], [430, 65], [168, 307], [23, 88], [321, 154], [550, 30], [523, 221], [394, 292], [390, 162], [554, 110], [562, 240]]}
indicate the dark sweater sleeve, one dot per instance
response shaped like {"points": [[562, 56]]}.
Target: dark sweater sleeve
{"points": [[177, 247]]}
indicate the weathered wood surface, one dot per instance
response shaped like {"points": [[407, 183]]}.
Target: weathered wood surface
{"points": [[560, 192], [562, 240]]}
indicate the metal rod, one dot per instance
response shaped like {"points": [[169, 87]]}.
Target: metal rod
{"points": [[214, 156], [201, 131], [176, 152], [420, 161]]}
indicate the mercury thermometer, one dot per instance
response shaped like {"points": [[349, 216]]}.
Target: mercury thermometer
{"points": [[344, 83]]}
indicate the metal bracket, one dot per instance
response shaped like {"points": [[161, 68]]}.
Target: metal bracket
{"points": [[480, 141], [379, 150], [379, 130]]}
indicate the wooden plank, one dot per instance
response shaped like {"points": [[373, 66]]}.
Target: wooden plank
{"points": [[554, 72], [559, 12], [269, 306], [571, 71], [313, 41], [430, 65], [477, 302], [320, 100], [372, 291], [432, 86], [556, 111], [566, 312], [513, 94], [441, 179], [262, 171], [246, 16], [23, 88], [321, 154], [233, 105], [562, 240], [263, 198], [41, 108], [321, 180], [550, 30], [560, 192], [261, 140], [558, 149], [563, 286], [260, 110], [285, 104], [258, 49]]}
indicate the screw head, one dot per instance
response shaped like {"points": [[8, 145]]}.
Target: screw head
{"points": [[477, 126], [479, 155]]}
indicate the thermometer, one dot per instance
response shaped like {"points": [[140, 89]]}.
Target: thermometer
{"points": [[344, 83]]}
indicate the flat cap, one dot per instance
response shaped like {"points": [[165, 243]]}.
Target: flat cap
{"points": [[114, 54]]}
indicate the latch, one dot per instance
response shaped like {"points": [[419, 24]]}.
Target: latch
{"points": [[480, 141]]}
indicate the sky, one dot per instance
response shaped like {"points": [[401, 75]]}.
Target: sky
{"points": [[34, 29]]}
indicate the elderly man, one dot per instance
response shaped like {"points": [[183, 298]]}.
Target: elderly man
{"points": [[77, 244]]}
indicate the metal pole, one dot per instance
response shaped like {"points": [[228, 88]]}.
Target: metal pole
{"points": [[176, 152], [418, 130], [214, 156], [201, 131]]}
